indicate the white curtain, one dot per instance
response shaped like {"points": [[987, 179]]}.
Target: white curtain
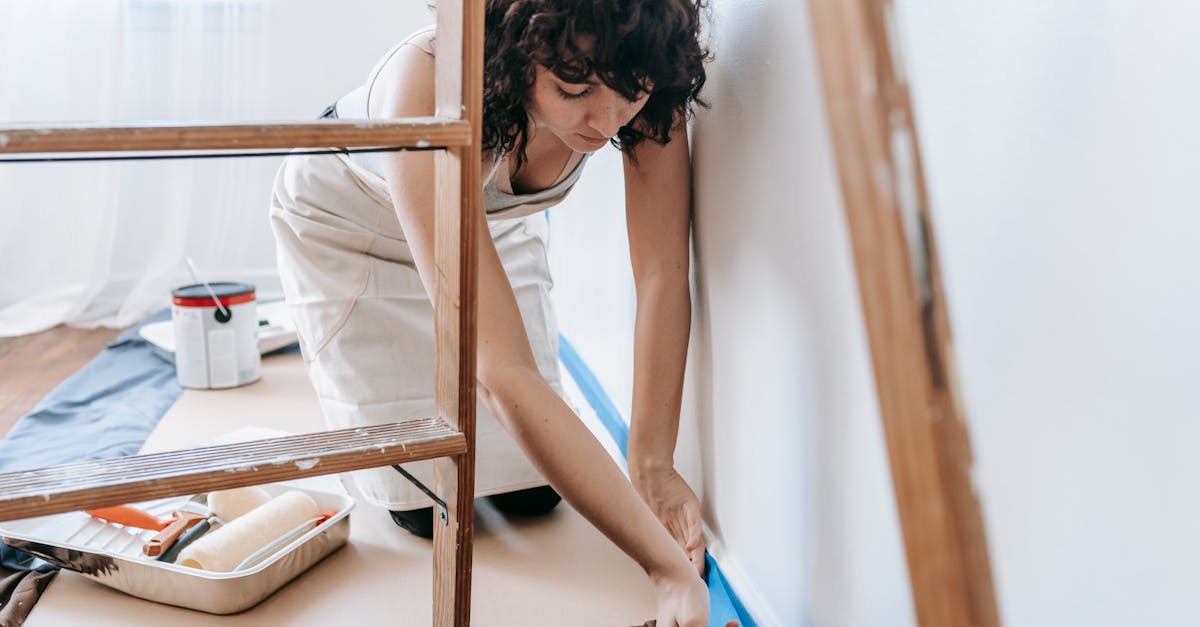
{"points": [[102, 244]]}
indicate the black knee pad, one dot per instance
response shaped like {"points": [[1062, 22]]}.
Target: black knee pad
{"points": [[531, 502], [418, 522]]}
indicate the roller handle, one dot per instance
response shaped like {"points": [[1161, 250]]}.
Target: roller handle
{"points": [[165, 538], [130, 517], [191, 535]]}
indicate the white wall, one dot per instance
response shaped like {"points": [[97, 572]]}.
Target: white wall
{"points": [[795, 479], [1060, 142]]}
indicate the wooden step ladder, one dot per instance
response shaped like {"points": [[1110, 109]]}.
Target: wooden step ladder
{"points": [[448, 437]]}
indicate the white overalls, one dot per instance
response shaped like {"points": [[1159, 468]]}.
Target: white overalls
{"points": [[363, 318]]}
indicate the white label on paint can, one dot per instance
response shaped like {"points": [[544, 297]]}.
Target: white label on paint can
{"points": [[222, 358], [191, 360]]}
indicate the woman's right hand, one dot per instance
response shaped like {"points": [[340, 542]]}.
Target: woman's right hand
{"points": [[682, 600]]}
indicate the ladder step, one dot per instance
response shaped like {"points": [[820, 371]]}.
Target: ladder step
{"points": [[87, 485], [161, 136]]}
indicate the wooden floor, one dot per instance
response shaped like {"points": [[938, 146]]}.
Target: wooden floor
{"points": [[32, 365]]}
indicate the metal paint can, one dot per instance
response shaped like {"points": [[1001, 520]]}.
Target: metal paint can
{"points": [[216, 327]]}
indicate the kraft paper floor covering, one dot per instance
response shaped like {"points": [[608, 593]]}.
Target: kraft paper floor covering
{"points": [[553, 571]]}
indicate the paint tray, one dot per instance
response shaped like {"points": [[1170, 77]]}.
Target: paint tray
{"points": [[111, 554]]}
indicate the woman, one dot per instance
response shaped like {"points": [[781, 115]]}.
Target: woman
{"points": [[355, 238]]}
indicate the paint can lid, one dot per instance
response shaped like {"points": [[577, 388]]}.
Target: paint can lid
{"points": [[197, 295]]}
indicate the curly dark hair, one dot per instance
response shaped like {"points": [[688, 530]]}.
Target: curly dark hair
{"points": [[640, 46]]}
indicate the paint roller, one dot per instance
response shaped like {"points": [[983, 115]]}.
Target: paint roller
{"points": [[228, 547], [229, 505], [222, 506]]}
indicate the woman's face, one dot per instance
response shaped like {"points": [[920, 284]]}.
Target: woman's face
{"points": [[585, 116]]}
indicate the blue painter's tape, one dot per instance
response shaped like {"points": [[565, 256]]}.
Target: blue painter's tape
{"points": [[595, 395], [724, 605]]}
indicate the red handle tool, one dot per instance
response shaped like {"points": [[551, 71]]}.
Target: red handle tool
{"points": [[130, 517]]}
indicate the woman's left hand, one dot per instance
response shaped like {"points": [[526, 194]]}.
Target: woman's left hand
{"points": [[676, 505]]}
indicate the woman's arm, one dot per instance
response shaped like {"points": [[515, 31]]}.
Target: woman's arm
{"points": [[549, 432], [658, 219]]}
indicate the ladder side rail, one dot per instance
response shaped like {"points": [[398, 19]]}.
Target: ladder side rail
{"points": [[459, 207], [886, 208], [951, 435]]}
